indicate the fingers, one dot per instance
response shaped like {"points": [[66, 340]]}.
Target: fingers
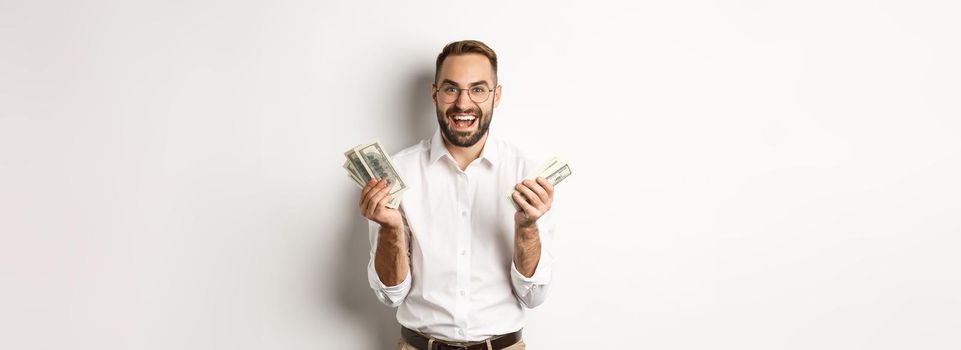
{"points": [[539, 196], [534, 197], [383, 201], [367, 195], [375, 198], [522, 203], [546, 185], [529, 194], [541, 192], [363, 193]]}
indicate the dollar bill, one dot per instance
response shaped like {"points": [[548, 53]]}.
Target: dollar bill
{"points": [[355, 165], [371, 161], [377, 162], [554, 171], [352, 174]]}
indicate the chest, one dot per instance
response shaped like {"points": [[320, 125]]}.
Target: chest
{"points": [[445, 206]]}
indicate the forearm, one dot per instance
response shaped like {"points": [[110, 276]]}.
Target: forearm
{"points": [[391, 260], [527, 249]]}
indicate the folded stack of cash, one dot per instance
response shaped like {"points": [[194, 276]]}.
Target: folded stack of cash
{"points": [[370, 161], [554, 171]]}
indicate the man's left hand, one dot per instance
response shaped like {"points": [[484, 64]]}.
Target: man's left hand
{"points": [[534, 199]]}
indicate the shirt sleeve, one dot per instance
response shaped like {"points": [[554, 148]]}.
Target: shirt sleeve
{"points": [[391, 296], [532, 291]]}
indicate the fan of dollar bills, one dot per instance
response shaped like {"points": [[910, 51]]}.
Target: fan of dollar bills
{"points": [[370, 161]]}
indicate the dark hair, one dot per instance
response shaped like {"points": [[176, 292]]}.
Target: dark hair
{"points": [[464, 47]]}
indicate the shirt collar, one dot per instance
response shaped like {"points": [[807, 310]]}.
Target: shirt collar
{"points": [[437, 149]]}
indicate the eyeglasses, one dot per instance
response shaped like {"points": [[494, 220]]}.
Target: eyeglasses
{"points": [[449, 93]]}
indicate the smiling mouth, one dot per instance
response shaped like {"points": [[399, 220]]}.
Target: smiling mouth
{"points": [[463, 121]]}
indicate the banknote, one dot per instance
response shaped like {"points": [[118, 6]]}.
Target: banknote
{"points": [[371, 161], [352, 174], [554, 171], [377, 162], [357, 166]]}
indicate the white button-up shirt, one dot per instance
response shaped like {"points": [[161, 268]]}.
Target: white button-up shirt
{"points": [[463, 284]]}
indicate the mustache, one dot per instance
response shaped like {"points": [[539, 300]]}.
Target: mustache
{"points": [[454, 110]]}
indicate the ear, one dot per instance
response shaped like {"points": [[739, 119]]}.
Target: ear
{"points": [[497, 95], [433, 94]]}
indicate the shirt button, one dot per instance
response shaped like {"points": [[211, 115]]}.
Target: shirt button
{"points": [[460, 331], [463, 252], [463, 213], [462, 293]]}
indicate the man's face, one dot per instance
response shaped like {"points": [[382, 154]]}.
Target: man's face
{"points": [[465, 72]]}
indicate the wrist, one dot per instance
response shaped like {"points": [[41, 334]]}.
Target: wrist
{"points": [[393, 232], [392, 225], [526, 232], [521, 223]]}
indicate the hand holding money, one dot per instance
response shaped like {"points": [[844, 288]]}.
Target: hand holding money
{"points": [[534, 196], [369, 162], [373, 204]]}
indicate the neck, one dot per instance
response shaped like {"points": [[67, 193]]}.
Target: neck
{"points": [[465, 155]]}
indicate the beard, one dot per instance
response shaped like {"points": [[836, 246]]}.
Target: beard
{"points": [[464, 139]]}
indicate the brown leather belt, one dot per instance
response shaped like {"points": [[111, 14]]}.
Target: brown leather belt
{"points": [[420, 342]]}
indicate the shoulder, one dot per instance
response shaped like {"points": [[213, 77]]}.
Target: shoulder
{"points": [[410, 156], [412, 150], [523, 159]]}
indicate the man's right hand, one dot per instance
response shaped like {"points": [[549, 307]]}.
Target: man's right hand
{"points": [[373, 205]]}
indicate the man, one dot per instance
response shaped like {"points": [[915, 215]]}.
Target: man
{"points": [[457, 258]]}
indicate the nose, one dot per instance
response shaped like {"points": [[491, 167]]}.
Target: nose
{"points": [[463, 99]]}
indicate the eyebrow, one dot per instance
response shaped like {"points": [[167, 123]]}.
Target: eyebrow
{"points": [[479, 82]]}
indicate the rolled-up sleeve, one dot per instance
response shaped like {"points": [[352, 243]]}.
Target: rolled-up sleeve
{"points": [[391, 296], [532, 291]]}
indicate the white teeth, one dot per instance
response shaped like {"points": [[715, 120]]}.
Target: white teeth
{"points": [[464, 117]]}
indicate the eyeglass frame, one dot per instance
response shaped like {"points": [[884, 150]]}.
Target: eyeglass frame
{"points": [[459, 90]]}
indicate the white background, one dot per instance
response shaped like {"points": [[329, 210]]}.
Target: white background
{"points": [[748, 174]]}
